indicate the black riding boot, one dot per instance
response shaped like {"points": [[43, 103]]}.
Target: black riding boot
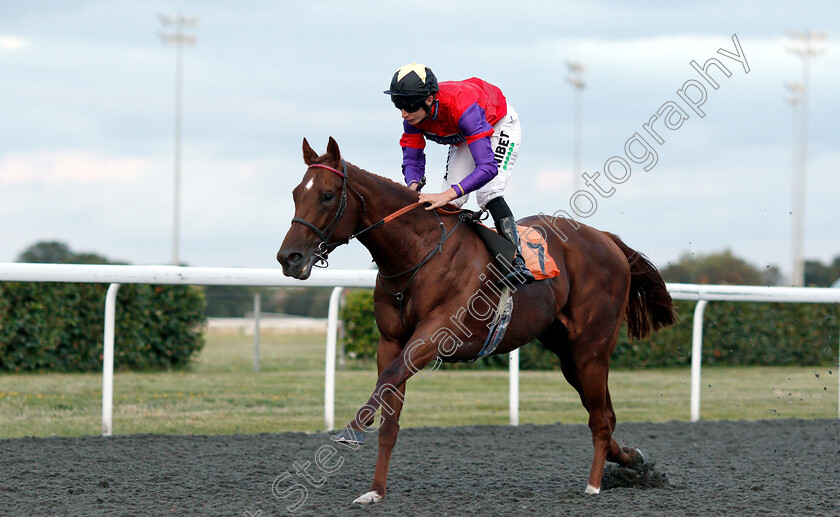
{"points": [[519, 274]]}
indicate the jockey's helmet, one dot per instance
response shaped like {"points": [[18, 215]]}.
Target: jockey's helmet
{"points": [[411, 85]]}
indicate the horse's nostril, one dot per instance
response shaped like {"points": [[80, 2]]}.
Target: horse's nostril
{"points": [[289, 259], [294, 258]]}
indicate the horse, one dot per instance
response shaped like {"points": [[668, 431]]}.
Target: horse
{"points": [[437, 279]]}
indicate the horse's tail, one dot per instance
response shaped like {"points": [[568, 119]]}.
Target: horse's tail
{"points": [[650, 307]]}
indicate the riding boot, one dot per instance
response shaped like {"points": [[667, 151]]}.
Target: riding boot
{"points": [[519, 273]]}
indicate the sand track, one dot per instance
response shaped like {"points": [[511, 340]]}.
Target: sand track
{"points": [[778, 467]]}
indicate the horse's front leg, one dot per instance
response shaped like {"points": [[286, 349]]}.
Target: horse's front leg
{"points": [[392, 402], [396, 364]]}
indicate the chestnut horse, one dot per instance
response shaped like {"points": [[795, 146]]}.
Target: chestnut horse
{"points": [[436, 291]]}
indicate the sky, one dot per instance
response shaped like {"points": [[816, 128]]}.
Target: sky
{"points": [[87, 109]]}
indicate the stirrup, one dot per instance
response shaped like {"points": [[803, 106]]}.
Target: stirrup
{"points": [[521, 270], [518, 274]]}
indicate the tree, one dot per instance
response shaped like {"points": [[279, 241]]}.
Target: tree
{"points": [[51, 252], [55, 252], [231, 301], [302, 301], [235, 301], [718, 268], [819, 275]]}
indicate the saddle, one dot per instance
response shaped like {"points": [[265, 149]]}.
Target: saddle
{"points": [[533, 244]]}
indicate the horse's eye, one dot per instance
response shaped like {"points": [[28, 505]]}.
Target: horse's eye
{"points": [[328, 196]]}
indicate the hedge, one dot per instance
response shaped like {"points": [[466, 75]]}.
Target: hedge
{"points": [[360, 336], [59, 326], [735, 334]]}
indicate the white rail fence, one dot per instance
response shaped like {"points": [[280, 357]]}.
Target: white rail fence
{"points": [[175, 275], [339, 279]]}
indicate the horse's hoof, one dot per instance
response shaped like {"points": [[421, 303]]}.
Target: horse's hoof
{"points": [[370, 497], [640, 458], [591, 490], [348, 435], [637, 459]]}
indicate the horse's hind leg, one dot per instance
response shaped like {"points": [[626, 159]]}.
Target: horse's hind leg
{"points": [[595, 396], [625, 456], [588, 376]]}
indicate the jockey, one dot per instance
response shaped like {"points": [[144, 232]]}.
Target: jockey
{"points": [[483, 134]]}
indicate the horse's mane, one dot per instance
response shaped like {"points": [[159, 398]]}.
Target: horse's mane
{"points": [[384, 179], [395, 187]]}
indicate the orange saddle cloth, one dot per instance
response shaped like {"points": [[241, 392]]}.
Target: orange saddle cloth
{"points": [[535, 252]]}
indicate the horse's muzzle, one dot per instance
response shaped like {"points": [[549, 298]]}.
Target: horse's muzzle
{"points": [[295, 264]]}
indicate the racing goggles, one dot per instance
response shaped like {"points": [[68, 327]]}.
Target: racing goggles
{"points": [[409, 103]]}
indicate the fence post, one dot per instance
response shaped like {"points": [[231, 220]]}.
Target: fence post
{"points": [[257, 300], [696, 358], [108, 359], [514, 387], [329, 363], [342, 353]]}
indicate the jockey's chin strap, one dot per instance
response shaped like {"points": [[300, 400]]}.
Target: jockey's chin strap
{"points": [[325, 234]]}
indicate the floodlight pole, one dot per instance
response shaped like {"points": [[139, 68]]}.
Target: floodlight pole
{"points": [[575, 79], [179, 39], [794, 98], [806, 45]]}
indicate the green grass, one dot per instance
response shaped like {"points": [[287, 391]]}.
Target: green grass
{"points": [[220, 394]]}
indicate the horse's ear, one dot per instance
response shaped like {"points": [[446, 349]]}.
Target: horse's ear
{"points": [[332, 151], [309, 156]]}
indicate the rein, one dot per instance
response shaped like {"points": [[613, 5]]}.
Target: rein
{"points": [[399, 295], [326, 233]]}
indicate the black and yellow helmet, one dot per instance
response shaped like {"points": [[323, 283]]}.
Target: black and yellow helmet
{"points": [[411, 85]]}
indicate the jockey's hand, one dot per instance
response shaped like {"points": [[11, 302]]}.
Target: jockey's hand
{"points": [[438, 200], [413, 186]]}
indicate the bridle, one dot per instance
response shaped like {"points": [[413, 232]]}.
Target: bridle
{"points": [[326, 233]]}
